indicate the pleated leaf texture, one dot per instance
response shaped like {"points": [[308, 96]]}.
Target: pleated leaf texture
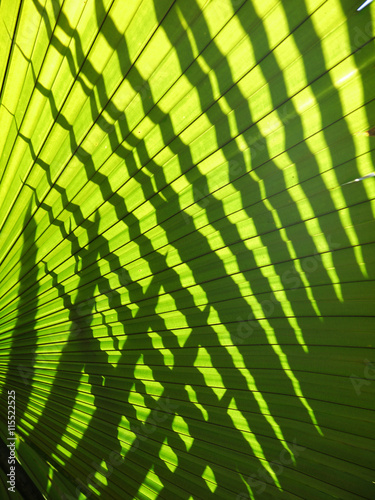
{"points": [[187, 247]]}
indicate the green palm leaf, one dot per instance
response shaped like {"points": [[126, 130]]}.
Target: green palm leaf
{"points": [[187, 247]]}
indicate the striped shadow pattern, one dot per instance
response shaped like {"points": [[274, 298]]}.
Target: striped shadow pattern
{"points": [[187, 247]]}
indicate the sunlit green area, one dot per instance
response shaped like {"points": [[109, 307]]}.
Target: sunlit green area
{"points": [[187, 247]]}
